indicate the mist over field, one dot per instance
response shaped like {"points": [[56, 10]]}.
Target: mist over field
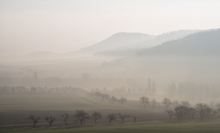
{"points": [[136, 65], [177, 68]]}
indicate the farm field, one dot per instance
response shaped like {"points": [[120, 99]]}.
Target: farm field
{"points": [[149, 127]]}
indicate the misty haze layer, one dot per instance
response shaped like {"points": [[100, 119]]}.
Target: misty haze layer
{"points": [[59, 53], [180, 64]]}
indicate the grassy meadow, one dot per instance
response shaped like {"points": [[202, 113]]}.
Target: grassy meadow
{"points": [[150, 127]]}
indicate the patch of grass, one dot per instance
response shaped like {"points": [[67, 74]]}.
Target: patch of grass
{"points": [[153, 127]]}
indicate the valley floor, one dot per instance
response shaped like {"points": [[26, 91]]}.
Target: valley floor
{"points": [[150, 127]]}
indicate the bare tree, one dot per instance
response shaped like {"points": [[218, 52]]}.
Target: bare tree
{"points": [[96, 116], [171, 114], [65, 117], [34, 120], [50, 120], [204, 111], [81, 116], [191, 113], [122, 117], [181, 112], [111, 118], [167, 103], [184, 112], [122, 100], [145, 101]]}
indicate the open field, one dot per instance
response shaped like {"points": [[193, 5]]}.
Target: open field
{"points": [[151, 127]]}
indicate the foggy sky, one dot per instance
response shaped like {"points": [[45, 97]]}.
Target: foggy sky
{"points": [[67, 25]]}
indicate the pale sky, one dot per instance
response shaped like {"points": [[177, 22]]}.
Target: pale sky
{"points": [[67, 25]]}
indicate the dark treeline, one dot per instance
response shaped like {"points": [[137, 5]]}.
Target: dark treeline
{"points": [[80, 118], [175, 111], [198, 112], [110, 109]]}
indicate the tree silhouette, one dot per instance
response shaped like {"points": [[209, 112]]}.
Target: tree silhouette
{"points": [[65, 117], [145, 101], [122, 117], [184, 112], [171, 114], [34, 120], [111, 118], [50, 120], [96, 116], [167, 103], [81, 116], [204, 111], [122, 100]]}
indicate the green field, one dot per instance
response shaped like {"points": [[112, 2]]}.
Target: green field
{"points": [[153, 127]]}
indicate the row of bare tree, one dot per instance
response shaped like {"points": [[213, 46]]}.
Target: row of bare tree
{"points": [[109, 98], [199, 111], [81, 117]]}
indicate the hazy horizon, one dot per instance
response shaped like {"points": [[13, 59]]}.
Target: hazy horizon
{"points": [[113, 66], [65, 26]]}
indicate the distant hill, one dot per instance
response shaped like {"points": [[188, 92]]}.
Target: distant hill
{"points": [[118, 42], [201, 43], [129, 43]]}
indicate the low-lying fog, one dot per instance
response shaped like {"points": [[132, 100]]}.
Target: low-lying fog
{"points": [[179, 77], [182, 68]]}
